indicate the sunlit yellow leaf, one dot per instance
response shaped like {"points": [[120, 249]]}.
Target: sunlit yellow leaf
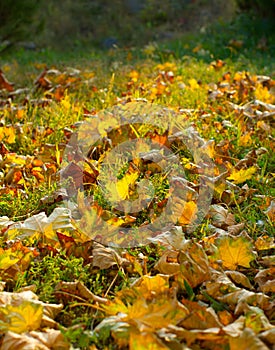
{"points": [[245, 140], [234, 251], [21, 318], [7, 259], [145, 341], [124, 185], [188, 213], [193, 84], [239, 176], [134, 75], [262, 93], [152, 285]]}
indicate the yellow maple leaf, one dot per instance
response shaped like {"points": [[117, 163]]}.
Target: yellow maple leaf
{"points": [[234, 251], [239, 176], [124, 185], [21, 318]]}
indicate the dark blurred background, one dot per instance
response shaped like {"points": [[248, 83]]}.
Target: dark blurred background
{"points": [[36, 24]]}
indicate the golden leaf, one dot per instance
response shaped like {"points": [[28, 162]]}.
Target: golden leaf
{"points": [[145, 341], [21, 318], [188, 213], [247, 340], [239, 176], [124, 185], [234, 251]]}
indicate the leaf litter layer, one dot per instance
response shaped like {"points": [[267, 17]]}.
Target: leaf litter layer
{"points": [[209, 285]]}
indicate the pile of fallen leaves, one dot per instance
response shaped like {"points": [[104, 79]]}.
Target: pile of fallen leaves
{"points": [[212, 289]]}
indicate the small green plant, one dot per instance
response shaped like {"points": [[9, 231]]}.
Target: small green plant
{"points": [[46, 273]]}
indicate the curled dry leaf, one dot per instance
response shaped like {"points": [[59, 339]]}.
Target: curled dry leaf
{"points": [[168, 263], [239, 278], [67, 291], [104, 257], [200, 317], [50, 339], [247, 340], [266, 280], [194, 265], [171, 238], [221, 217], [270, 212]]}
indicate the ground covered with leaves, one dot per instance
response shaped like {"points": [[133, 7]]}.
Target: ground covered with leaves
{"points": [[71, 277]]}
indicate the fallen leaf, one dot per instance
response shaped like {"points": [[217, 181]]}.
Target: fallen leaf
{"points": [[4, 83], [105, 257], [240, 176], [234, 251], [59, 219], [266, 280], [194, 265], [21, 318], [270, 211], [246, 340]]}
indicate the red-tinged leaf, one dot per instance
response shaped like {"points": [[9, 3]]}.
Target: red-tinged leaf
{"points": [[42, 81], [157, 138], [4, 83]]}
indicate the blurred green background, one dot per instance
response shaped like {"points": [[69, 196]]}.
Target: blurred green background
{"points": [[37, 24]]}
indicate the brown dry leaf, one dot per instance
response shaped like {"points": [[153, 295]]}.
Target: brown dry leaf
{"points": [[190, 336], [50, 339], [268, 336], [235, 229], [16, 341], [200, 317], [247, 341], [239, 278], [4, 83], [194, 265], [235, 328], [221, 216], [172, 238], [270, 212], [67, 291], [266, 280], [264, 243], [104, 257], [168, 263], [242, 296], [234, 251]]}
